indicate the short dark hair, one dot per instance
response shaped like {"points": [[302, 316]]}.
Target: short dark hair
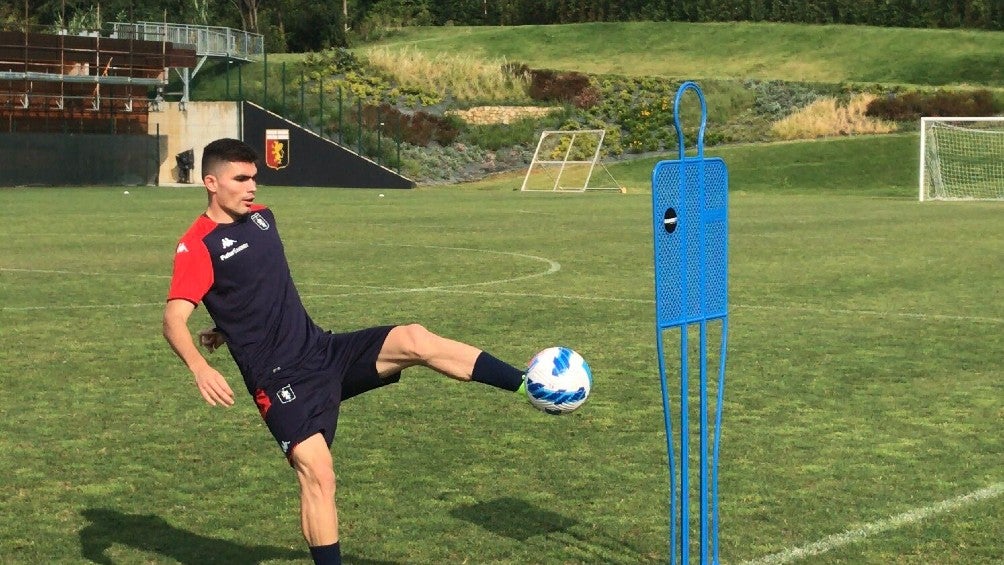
{"points": [[226, 150]]}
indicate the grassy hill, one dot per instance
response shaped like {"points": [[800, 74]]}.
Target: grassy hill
{"points": [[760, 79], [792, 52]]}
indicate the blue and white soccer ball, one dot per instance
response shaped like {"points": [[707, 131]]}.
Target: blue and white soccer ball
{"points": [[558, 380]]}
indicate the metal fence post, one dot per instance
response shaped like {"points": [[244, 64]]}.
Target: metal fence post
{"points": [[398, 168], [320, 102], [303, 109], [341, 115], [379, 135], [284, 88], [156, 159]]}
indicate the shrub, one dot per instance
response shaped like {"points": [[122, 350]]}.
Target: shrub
{"points": [[589, 97], [331, 61], [569, 87], [459, 77], [516, 70], [911, 106], [418, 128], [826, 117], [520, 133], [776, 99]]}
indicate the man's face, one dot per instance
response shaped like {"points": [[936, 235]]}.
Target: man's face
{"points": [[232, 188]]}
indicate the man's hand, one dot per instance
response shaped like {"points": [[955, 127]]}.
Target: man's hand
{"points": [[214, 387], [211, 339]]}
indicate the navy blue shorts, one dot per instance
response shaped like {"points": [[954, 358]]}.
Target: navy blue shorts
{"points": [[301, 401]]}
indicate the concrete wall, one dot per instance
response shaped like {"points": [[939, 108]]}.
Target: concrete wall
{"points": [[191, 128]]}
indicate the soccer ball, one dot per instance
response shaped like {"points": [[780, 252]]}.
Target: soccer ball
{"points": [[558, 380]]}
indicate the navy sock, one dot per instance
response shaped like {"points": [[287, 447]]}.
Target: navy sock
{"points": [[491, 371], [327, 554]]}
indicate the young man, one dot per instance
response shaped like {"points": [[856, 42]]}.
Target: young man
{"points": [[232, 260]]}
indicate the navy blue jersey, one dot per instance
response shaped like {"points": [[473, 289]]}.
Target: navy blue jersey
{"points": [[239, 271]]}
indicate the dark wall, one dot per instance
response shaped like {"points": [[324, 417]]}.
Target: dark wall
{"points": [[310, 160], [55, 159]]}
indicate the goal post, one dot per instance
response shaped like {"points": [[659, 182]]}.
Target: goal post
{"points": [[961, 158], [567, 161]]}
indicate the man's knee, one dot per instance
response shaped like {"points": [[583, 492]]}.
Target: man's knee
{"points": [[415, 342], [314, 469]]}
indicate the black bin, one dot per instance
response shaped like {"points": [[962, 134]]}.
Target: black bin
{"points": [[186, 162]]}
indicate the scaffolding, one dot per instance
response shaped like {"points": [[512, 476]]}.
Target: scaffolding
{"points": [[56, 82]]}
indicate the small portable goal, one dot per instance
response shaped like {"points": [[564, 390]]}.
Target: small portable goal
{"points": [[566, 160]]}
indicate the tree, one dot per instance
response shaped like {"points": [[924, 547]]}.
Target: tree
{"points": [[249, 13], [314, 26], [201, 9]]}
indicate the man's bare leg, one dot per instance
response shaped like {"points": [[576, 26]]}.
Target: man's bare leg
{"points": [[315, 471], [407, 346]]}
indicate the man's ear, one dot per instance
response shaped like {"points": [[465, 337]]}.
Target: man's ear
{"points": [[211, 182]]}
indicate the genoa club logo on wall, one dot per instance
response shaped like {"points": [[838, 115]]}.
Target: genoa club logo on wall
{"points": [[277, 148]]}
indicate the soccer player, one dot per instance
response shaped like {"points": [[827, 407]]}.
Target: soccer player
{"points": [[231, 259]]}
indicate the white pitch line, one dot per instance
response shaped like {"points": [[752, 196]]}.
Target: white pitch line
{"points": [[858, 534], [552, 267]]}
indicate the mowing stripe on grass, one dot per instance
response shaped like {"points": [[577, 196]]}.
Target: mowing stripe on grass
{"points": [[78, 307], [878, 313], [858, 534], [378, 290], [461, 288], [552, 267], [80, 273]]}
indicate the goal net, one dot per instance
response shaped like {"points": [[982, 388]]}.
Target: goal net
{"points": [[569, 161], [962, 158]]}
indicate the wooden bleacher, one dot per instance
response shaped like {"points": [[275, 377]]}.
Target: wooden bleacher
{"points": [[82, 84]]}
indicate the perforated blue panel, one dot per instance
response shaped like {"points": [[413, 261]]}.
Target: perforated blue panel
{"points": [[691, 261], [691, 238]]}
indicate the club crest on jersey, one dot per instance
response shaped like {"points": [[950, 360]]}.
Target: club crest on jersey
{"points": [[286, 394], [260, 221], [277, 148]]}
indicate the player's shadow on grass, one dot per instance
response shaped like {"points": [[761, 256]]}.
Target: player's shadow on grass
{"points": [[519, 520], [150, 533], [513, 518]]}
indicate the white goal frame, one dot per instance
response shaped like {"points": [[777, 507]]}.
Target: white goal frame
{"points": [[931, 183], [547, 165]]}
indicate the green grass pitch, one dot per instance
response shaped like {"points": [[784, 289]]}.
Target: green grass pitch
{"points": [[863, 412]]}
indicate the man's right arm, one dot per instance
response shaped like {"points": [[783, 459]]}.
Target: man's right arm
{"points": [[212, 385]]}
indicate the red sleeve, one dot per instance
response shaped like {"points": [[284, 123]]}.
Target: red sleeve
{"points": [[193, 270]]}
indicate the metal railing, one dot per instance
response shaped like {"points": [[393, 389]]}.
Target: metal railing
{"points": [[210, 41]]}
